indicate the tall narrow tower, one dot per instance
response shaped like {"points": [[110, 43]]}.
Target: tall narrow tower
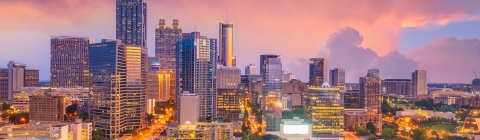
{"points": [[318, 73], [166, 38], [131, 22], [226, 57]]}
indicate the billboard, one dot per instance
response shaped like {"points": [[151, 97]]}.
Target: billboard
{"points": [[295, 129]]}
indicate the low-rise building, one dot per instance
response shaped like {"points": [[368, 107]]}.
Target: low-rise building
{"points": [[296, 129], [21, 97], [207, 131], [360, 117], [47, 108], [77, 130]]}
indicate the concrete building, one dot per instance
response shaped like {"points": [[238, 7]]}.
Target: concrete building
{"points": [[337, 78], [294, 90], [318, 73], [287, 76], [254, 91], [20, 101], [271, 102], [131, 22], [69, 62], [352, 99], [324, 107], [370, 95], [189, 108], [225, 42], [376, 72], [77, 130], [166, 38], [251, 69], [245, 79], [419, 82], [228, 93], [46, 108], [196, 70], [202, 131], [160, 83], [14, 77], [116, 109], [360, 117], [287, 103], [398, 87], [228, 77]]}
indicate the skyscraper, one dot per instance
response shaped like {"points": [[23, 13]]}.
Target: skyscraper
{"points": [[166, 38], [226, 57], [337, 78], [419, 82], [370, 95], [69, 62], [271, 103], [376, 72], [196, 70], [228, 95], [14, 78], [131, 18], [318, 71], [250, 69], [398, 86], [119, 82]]}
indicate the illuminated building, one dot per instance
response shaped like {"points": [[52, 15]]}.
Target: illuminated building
{"points": [[21, 97], [196, 70], [318, 72], [228, 93], [375, 72], [360, 117], [294, 90], [271, 102], [225, 42], [251, 69], [166, 38], [476, 85], [419, 83], [254, 91], [119, 82], [352, 99], [46, 108], [69, 62], [200, 131], [296, 129], [337, 78], [160, 85], [15, 77], [398, 87], [324, 107], [189, 108], [131, 22]]}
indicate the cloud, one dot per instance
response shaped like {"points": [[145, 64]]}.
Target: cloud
{"points": [[450, 59]]}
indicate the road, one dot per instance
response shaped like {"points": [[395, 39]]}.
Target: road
{"points": [[155, 129]]}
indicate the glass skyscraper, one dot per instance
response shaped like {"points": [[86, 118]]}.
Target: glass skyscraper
{"points": [[196, 70], [119, 81], [132, 22], [318, 73], [166, 38], [271, 102]]}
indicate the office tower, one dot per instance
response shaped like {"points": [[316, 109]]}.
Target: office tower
{"points": [[159, 82], [287, 76], [376, 72], [476, 85], [294, 90], [324, 107], [196, 70], [189, 109], [69, 62], [46, 108], [152, 62], [271, 102], [352, 99], [228, 95], [14, 77], [251, 69], [397, 87], [419, 82], [131, 18], [119, 83], [370, 95], [166, 38], [318, 73], [337, 78], [225, 40]]}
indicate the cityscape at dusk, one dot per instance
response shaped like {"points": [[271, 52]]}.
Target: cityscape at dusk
{"points": [[239, 70]]}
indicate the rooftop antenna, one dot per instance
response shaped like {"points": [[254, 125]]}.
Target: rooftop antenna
{"points": [[475, 75]]}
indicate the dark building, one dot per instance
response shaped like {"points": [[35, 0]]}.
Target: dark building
{"points": [[370, 95], [352, 99], [397, 87], [318, 73], [131, 18], [166, 38]]}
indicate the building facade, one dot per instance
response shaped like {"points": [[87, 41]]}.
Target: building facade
{"points": [[419, 82], [318, 73], [271, 103], [131, 22], [69, 62], [20, 101], [352, 99], [294, 90], [166, 38], [160, 83], [324, 107], [46, 108], [189, 109], [251, 69], [15, 77], [196, 70], [119, 83], [375, 72], [225, 42], [337, 78], [287, 76], [397, 87]]}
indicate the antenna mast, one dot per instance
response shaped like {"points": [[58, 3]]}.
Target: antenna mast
{"points": [[475, 75]]}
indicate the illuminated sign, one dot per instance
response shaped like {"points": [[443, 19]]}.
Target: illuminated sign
{"points": [[295, 129]]}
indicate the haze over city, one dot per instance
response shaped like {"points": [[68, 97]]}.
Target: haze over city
{"points": [[398, 37]]}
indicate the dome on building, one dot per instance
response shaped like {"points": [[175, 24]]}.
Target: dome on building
{"points": [[155, 63]]}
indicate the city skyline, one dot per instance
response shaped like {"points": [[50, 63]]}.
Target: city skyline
{"points": [[399, 29]]}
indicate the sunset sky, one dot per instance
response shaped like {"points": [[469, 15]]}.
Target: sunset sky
{"points": [[396, 36]]}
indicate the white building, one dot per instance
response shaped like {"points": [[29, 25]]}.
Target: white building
{"points": [[251, 69], [287, 76], [228, 77], [296, 129], [189, 108]]}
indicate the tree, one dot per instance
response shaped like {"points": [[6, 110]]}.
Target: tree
{"points": [[5, 106], [83, 115], [150, 117], [201, 119], [272, 137], [388, 133], [362, 131], [370, 126], [419, 134], [97, 134], [373, 138], [350, 128]]}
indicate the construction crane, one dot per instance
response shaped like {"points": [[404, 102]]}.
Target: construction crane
{"points": [[475, 75]]}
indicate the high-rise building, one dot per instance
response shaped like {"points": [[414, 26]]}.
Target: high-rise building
{"points": [[69, 62], [294, 90], [287, 76], [119, 83], [228, 94], [15, 77], [324, 107], [166, 38], [160, 83], [225, 41], [46, 108], [318, 73], [196, 70], [476, 85], [397, 86], [131, 18], [352, 99], [376, 72], [271, 102], [251, 69], [337, 78], [228, 77], [370, 95], [189, 106], [419, 83]]}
